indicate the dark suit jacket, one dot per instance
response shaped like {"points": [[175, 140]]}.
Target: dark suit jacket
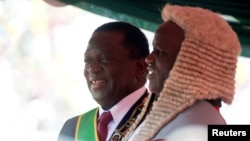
{"points": [[67, 132]]}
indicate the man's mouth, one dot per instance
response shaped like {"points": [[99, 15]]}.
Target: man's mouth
{"points": [[151, 74], [98, 83]]}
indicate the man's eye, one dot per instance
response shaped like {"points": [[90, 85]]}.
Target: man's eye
{"points": [[157, 52], [88, 60], [104, 60], [107, 60]]}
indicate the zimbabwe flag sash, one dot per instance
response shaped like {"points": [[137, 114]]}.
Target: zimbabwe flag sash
{"points": [[86, 126]]}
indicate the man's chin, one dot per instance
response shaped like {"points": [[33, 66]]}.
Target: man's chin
{"points": [[153, 89], [97, 95]]}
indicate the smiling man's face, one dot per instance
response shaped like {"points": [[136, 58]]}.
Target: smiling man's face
{"points": [[160, 61], [109, 71]]}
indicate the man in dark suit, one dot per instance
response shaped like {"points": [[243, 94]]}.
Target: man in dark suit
{"points": [[115, 71]]}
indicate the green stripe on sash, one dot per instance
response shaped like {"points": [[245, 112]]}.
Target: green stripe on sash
{"points": [[86, 126]]}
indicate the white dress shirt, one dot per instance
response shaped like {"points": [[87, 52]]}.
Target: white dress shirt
{"points": [[119, 110]]}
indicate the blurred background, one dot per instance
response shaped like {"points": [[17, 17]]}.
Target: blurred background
{"points": [[41, 70]]}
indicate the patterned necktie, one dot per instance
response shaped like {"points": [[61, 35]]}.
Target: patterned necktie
{"points": [[102, 126]]}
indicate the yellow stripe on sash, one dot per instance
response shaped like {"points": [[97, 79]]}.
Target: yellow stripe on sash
{"points": [[86, 126]]}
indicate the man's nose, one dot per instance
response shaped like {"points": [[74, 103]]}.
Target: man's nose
{"points": [[149, 59], [94, 67]]}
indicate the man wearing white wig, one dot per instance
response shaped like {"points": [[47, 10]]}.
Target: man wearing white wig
{"points": [[193, 62]]}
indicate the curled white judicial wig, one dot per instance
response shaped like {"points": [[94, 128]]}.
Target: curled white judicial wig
{"points": [[205, 67]]}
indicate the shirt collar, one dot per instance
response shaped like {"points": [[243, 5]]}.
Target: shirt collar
{"points": [[119, 110]]}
